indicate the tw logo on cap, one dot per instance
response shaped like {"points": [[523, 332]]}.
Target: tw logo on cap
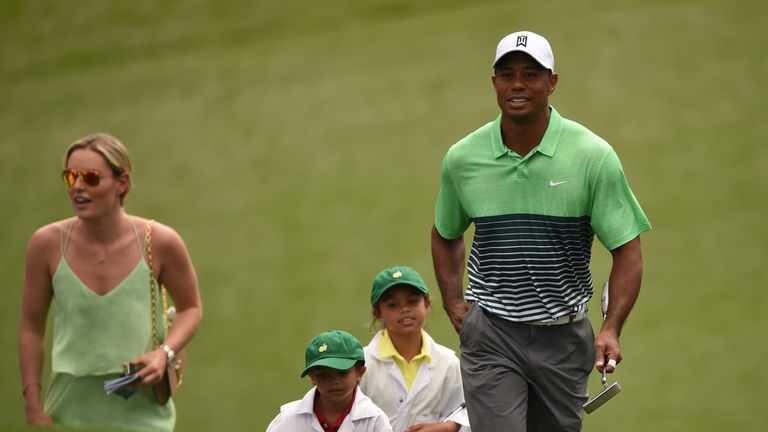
{"points": [[522, 40], [397, 274], [323, 347]]}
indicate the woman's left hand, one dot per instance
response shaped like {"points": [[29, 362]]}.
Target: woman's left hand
{"points": [[152, 366]]}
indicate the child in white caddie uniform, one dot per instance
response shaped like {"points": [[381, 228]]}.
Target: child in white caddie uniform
{"points": [[335, 363], [415, 380]]}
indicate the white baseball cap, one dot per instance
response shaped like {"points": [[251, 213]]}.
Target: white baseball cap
{"points": [[530, 43]]}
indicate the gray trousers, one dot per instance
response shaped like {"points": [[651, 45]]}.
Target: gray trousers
{"points": [[520, 378]]}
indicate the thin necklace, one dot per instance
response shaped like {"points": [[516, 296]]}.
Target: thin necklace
{"points": [[103, 256]]}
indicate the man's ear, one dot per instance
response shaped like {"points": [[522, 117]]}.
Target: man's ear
{"points": [[552, 83]]}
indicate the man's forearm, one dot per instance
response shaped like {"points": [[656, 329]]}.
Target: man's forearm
{"points": [[448, 261], [624, 282]]}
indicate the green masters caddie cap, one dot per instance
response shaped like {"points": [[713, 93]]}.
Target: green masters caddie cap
{"points": [[335, 349], [398, 275]]}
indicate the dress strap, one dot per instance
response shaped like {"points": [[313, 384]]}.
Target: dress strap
{"points": [[138, 241], [65, 238]]}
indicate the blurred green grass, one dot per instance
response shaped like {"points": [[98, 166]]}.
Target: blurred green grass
{"points": [[296, 148]]}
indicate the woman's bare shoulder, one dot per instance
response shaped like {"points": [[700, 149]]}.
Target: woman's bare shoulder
{"points": [[162, 235], [48, 237], [52, 231]]}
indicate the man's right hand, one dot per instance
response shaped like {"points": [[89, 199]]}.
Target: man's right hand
{"points": [[456, 312], [448, 258]]}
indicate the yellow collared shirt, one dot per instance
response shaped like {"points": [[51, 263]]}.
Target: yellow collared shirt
{"points": [[409, 370]]}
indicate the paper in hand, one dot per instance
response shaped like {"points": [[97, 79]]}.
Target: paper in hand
{"points": [[120, 384]]}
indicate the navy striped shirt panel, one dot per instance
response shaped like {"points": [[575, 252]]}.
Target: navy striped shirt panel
{"points": [[525, 267]]}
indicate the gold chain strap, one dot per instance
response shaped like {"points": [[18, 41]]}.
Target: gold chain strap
{"points": [[153, 288]]}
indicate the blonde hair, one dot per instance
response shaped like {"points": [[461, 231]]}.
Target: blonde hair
{"points": [[111, 149]]}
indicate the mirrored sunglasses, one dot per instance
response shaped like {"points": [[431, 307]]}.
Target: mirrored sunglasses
{"points": [[91, 177]]}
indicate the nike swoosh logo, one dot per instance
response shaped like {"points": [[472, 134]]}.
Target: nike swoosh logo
{"points": [[554, 183]]}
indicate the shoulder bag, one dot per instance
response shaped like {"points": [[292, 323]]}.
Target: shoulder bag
{"points": [[173, 373]]}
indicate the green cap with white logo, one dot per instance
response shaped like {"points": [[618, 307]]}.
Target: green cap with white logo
{"points": [[398, 275], [335, 349]]}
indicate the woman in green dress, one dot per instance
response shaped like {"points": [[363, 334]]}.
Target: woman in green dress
{"points": [[92, 267]]}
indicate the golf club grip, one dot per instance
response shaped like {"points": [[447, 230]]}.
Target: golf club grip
{"points": [[604, 300]]}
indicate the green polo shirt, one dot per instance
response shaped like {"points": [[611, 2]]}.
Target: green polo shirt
{"points": [[535, 216]]}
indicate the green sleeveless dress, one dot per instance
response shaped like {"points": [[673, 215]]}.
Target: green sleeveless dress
{"points": [[93, 336]]}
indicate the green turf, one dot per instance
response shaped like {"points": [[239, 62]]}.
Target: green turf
{"points": [[296, 146]]}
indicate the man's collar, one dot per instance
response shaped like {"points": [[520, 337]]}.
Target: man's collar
{"points": [[547, 146]]}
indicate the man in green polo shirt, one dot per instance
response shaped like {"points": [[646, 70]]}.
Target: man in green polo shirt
{"points": [[538, 188]]}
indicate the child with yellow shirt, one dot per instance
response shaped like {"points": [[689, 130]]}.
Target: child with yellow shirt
{"points": [[415, 380]]}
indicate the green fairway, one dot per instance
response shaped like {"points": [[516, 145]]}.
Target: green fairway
{"points": [[296, 147]]}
